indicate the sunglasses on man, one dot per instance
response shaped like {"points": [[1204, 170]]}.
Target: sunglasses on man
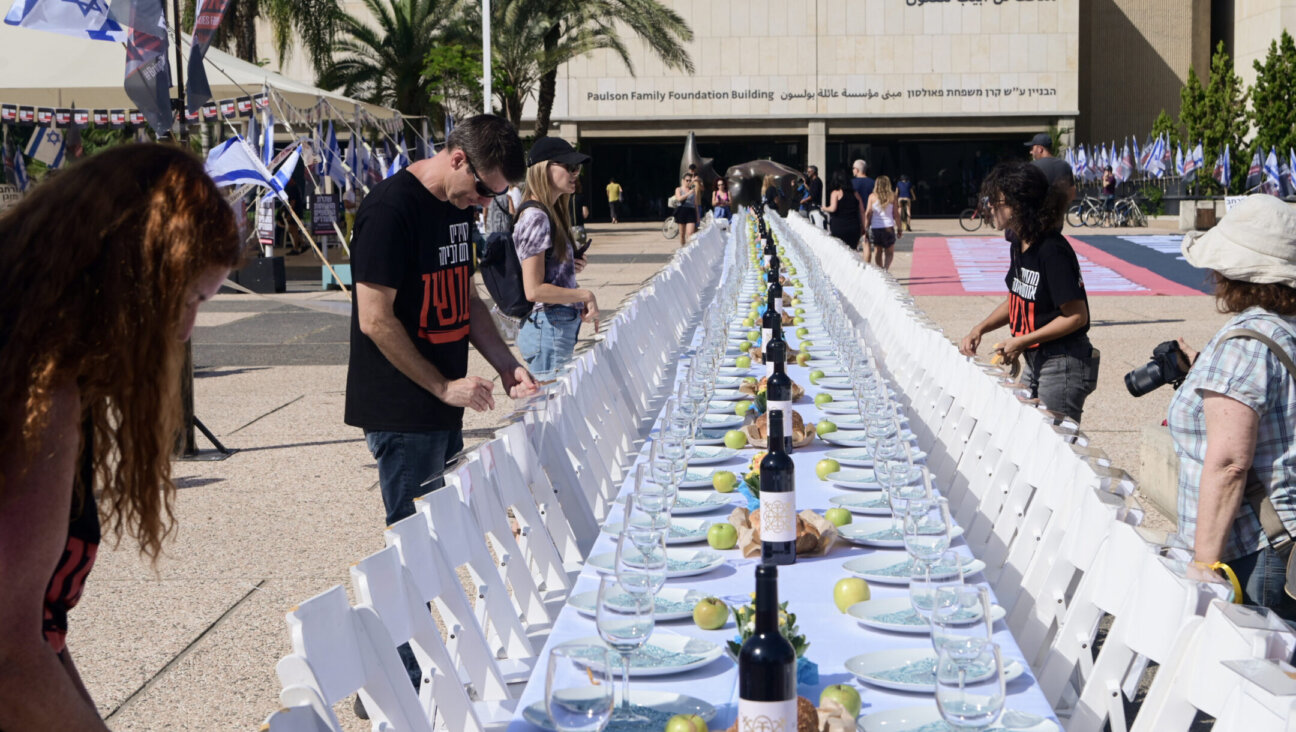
{"points": [[483, 190]]}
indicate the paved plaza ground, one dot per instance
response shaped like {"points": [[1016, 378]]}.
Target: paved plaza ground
{"points": [[192, 643]]}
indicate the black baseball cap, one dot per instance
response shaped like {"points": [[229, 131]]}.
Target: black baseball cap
{"points": [[1043, 139], [555, 150]]}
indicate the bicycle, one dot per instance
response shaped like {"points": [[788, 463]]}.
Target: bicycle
{"points": [[670, 229], [1127, 212], [972, 218], [1083, 212]]}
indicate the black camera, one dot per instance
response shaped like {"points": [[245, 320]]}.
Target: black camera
{"points": [[1169, 365]]}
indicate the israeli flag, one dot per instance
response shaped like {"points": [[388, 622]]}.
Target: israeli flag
{"points": [[267, 137], [281, 177], [46, 145], [234, 163], [20, 172], [1273, 178], [333, 166], [80, 18], [397, 164]]}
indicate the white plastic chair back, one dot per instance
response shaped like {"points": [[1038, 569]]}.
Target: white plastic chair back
{"points": [[302, 711]]}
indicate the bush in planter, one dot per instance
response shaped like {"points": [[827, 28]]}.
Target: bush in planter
{"points": [[1155, 206]]}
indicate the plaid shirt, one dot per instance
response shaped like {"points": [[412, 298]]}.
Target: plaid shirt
{"points": [[1245, 370]]}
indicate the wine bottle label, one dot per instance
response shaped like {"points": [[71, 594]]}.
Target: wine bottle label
{"points": [[778, 522], [779, 716], [766, 334], [767, 260], [786, 407], [769, 368]]}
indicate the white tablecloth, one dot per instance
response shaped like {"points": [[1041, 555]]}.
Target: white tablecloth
{"points": [[807, 586]]}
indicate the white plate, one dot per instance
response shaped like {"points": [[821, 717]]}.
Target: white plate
{"points": [[835, 382], [698, 502], [856, 457], [720, 421], [707, 455], [880, 669], [874, 505], [839, 406], [896, 614], [731, 370], [728, 382], [702, 478], [709, 437], [671, 603], [868, 533], [894, 568], [685, 654], [859, 479], [665, 703], [722, 408], [728, 395], [680, 562], [914, 719], [682, 531], [860, 438]]}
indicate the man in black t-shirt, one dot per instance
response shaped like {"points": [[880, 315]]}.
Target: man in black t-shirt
{"points": [[1058, 172], [415, 309]]}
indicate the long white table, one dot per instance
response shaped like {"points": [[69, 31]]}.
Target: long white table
{"points": [[807, 586]]}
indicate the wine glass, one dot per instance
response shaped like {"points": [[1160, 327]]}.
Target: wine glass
{"points": [[960, 620], [926, 580], [645, 513], [927, 528], [641, 562], [625, 621], [578, 688], [970, 694]]}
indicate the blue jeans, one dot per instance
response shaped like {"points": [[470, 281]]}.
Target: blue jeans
{"points": [[721, 212], [1262, 575], [406, 460], [547, 339]]}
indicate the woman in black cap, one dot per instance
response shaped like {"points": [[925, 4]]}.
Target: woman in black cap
{"points": [[547, 251]]}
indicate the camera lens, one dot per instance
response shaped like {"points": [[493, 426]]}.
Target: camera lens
{"points": [[1144, 379]]}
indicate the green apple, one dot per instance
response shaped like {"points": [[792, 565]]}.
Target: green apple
{"points": [[803, 358], [734, 440], [823, 398], [797, 301], [839, 516], [796, 283], [806, 344], [741, 408], [745, 346], [850, 591], [802, 332], [725, 481], [749, 322], [826, 467], [686, 722], [749, 380], [743, 362], [798, 320], [816, 375], [825, 428], [844, 695], [722, 536], [754, 336]]}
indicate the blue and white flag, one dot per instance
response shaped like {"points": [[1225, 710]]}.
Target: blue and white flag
{"points": [[267, 137], [356, 161], [1222, 174], [1291, 164], [332, 165], [1156, 157], [91, 19], [279, 182], [234, 163], [398, 162], [1082, 162], [20, 172], [46, 145], [1273, 177], [1198, 157]]}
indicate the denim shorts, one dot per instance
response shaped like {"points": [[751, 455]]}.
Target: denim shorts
{"points": [[547, 339], [1065, 380]]}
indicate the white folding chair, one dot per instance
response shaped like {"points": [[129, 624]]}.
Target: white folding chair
{"points": [[339, 650], [302, 711], [567, 516]]}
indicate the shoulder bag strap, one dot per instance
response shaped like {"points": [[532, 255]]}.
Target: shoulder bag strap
{"points": [[1256, 495]]}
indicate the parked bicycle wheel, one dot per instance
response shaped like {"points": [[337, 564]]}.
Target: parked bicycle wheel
{"points": [[1092, 216], [970, 220], [1137, 217], [670, 229], [1075, 215]]}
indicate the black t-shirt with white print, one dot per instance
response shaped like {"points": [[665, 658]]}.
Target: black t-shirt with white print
{"points": [[409, 240], [1040, 280]]}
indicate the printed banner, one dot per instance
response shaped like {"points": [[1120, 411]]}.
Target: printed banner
{"points": [[206, 20]]}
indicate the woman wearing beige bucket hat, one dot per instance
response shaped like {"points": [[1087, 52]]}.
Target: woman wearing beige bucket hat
{"points": [[1234, 418]]}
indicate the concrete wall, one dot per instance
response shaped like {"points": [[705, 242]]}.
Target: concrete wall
{"points": [[1257, 23], [1134, 58]]}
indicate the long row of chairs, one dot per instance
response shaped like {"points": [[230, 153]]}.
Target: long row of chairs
{"points": [[1092, 599], [469, 586]]}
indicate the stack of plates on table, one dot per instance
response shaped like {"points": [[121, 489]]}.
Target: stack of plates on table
{"points": [[679, 562], [664, 654], [896, 614], [682, 531], [913, 669], [927, 718], [709, 455], [896, 568], [657, 707], [670, 603], [881, 533]]}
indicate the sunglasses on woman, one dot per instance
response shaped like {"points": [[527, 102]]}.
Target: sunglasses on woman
{"points": [[573, 169]]}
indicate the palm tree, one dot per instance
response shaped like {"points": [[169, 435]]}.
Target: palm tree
{"points": [[313, 22], [570, 28], [385, 65]]}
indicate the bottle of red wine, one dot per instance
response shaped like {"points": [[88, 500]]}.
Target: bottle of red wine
{"points": [[771, 322], [777, 497], [778, 388], [769, 250], [767, 698]]}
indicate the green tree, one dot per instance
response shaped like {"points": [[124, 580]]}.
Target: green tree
{"points": [[571, 28], [1164, 124], [387, 64], [1273, 96], [1192, 108], [453, 74], [1223, 121], [312, 22]]}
